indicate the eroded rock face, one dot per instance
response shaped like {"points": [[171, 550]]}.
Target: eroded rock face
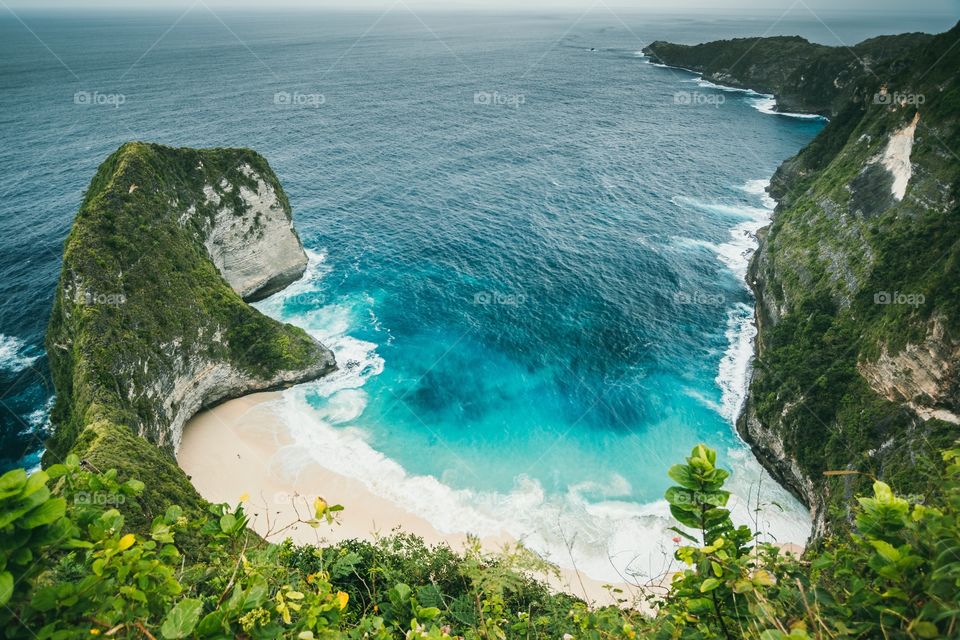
{"points": [[197, 383], [896, 157], [921, 375], [849, 385], [150, 323], [253, 245]]}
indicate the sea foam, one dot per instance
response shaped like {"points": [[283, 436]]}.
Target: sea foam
{"points": [[592, 526], [14, 354], [734, 373], [762, 102]]}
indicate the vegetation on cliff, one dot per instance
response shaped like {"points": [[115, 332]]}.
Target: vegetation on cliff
{"points": [[140, 308], [858, 277], [806, 77]]}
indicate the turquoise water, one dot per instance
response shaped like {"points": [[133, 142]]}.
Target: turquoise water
{"points": [[526, 250]]}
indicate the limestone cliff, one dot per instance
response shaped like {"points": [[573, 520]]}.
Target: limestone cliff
{"points": [[858, 277], [149, 323]]}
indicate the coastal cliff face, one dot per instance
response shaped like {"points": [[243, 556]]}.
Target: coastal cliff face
{"points": [[252, 241], [149, 323], [805, 77], [858, 277]]}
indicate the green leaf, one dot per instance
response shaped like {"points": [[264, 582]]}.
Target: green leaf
{"points": [[46, 513], [228, 522], [182, 619], [685, 517], [6, 587], [886, 550], [135, 485], [56, 471], [925, 629], [743, 586], [709, 585], [211, 623], [683, 475], [699, 605]]}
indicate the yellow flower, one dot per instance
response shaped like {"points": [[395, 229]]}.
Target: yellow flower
{"points": [[342, 599], [94, 632], [244, 497]]}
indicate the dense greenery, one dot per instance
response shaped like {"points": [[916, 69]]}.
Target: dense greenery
{"points": [[806, 77], [139, 297], [839, 240], [72, 567]]}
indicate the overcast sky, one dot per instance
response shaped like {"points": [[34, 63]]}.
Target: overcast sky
{"points": [[708, 6]]}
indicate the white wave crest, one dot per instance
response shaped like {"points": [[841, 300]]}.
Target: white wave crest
{"points": [[14, 356], [608, 538], [592, 525], [721, 208]]}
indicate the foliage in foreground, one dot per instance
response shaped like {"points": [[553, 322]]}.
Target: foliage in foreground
{"points": [[70, 568]]}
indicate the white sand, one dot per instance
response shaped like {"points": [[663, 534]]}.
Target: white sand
{"points": [[240, 448]]}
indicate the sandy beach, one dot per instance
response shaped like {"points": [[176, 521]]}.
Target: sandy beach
{"points": [[242, 449]]}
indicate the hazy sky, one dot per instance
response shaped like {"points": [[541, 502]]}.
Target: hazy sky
{"points": [[709, 6]]}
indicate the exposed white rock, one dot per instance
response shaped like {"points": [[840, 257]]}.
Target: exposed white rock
{"points": [[199, 382], [896, 157], [255, 248], [919, 375], [212, 196]]}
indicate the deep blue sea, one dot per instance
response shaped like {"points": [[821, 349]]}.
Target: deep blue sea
{"points": [[527, 243]]}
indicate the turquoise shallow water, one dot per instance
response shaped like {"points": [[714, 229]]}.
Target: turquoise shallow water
{"points": [[527, 244]]}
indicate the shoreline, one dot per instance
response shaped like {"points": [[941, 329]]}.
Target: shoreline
{"points": [[241, 448], [708, 84], [255, 445]]}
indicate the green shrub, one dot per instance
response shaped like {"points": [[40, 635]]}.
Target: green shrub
{"points": [[71, 567]]}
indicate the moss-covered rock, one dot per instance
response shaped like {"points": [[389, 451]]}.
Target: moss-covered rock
{"points": [[858, 277], [146, 328]]}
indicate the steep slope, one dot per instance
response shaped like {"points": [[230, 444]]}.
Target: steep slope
{"points": [[149, 324], [805, 77], [858, 277]]}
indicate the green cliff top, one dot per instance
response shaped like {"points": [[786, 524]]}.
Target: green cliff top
{"points": [[140, 307]]}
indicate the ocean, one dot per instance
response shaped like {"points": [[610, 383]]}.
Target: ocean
{"points": [[527, 244]]}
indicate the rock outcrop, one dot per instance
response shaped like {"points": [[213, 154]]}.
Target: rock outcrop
{"points": [[149, 323], [804, 76], [857, 279], [254, 245]]}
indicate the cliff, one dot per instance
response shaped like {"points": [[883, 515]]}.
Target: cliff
{"points": [[805, 77], [150, 323], [858, 277]]}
